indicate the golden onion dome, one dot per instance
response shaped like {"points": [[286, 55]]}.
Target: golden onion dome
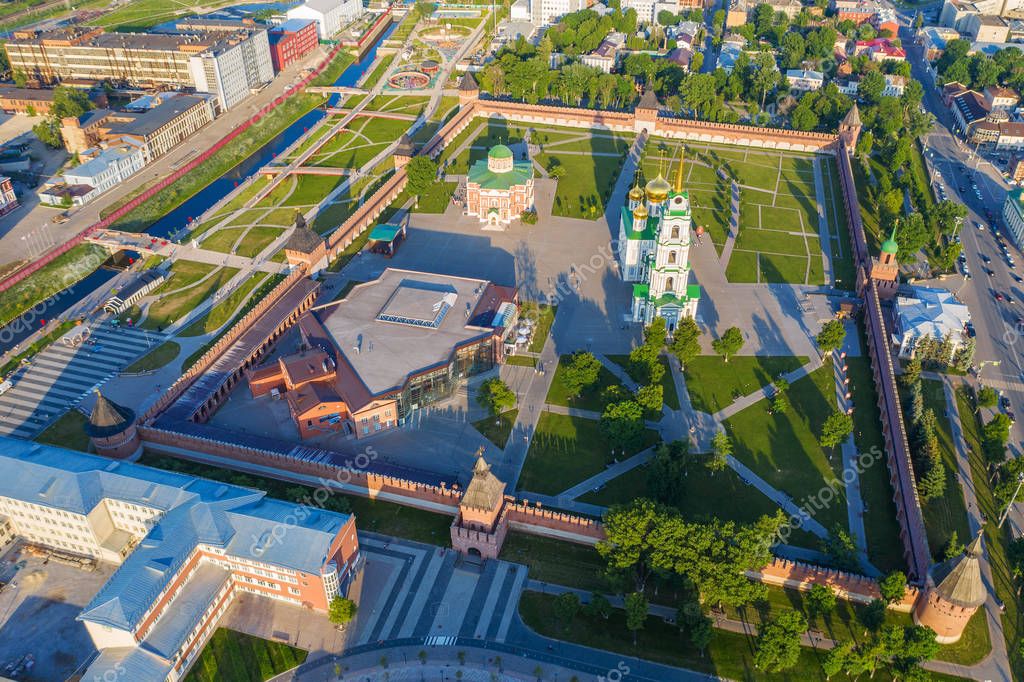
{"points": [[658, 189], [640, 213], [636, 194]]}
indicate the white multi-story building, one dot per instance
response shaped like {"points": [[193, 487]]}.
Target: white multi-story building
{"points": [[1013, 215], [654, 247], [932, 313], [803, 80], [329, 15], [894, 85], [232, 70], [186, 546], [109, 168]]}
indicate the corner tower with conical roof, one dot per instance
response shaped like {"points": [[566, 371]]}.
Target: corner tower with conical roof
{"points": [[955, 591], [849, 128], [885, 269], [469, 91], [111, 428], [480, 527]]}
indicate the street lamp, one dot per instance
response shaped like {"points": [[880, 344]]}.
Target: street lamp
{"points": [[1006, 512]]}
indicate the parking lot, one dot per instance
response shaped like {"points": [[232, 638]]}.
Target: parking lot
{"points": [[38, 605]]}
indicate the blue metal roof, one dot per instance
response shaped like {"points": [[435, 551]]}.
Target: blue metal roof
{"points": [[195, 510], [167, 637], [131, 663]]}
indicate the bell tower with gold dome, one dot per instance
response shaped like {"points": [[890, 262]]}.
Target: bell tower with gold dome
{"points": [[653, 248]]}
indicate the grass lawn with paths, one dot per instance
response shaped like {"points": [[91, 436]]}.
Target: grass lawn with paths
{"points": [[231, 656], [714, 384]]}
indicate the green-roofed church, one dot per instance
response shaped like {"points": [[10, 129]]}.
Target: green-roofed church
{"points": [[654, 247], [499, 188]]}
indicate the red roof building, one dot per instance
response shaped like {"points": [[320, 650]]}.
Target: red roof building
{"points": [[291, 41]]}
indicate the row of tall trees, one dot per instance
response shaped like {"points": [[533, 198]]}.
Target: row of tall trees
{"points": [[978, 70]]}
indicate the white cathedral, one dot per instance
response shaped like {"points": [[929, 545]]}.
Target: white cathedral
{"points": [[654, 247]]}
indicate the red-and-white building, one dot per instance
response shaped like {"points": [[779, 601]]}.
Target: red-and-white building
{"points": [[500, 188], [291, 41], [186, 547], [880, 50]]}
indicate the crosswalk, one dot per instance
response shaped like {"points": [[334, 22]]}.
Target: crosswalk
{"points": [[440, 641], [59, 377]]}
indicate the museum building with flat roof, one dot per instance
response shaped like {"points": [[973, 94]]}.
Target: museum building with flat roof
{"points": [[391, 346]]}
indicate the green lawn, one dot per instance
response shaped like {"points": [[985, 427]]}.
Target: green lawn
{"points": [[556, 561], [497, 428], [714, 384], [257, 239], [566, 450], [222, 312], [67, 432], [589, 398], [783, 448], [156, 358], [437, 200], [543, 319], [172, 306], [584, 189], [66, 269], [996, 540], [668, 385], [223, 240], [730, 655], [139, 15], [885, 549], [521, 360], [946, 514], [231, 656]]}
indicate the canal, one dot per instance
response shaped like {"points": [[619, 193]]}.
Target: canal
{"points": [[16, 331]]}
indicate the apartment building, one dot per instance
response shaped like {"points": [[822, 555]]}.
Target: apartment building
{"points": [[186, 546], [228, 65], [291, 41], [804, 80]]}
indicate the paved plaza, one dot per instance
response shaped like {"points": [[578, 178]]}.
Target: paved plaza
{"points": [[62, 376], [39, 601]]}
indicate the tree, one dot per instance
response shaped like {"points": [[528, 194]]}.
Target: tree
{"points": [[804, 118], [911, 372], [341, 610], [599, 606], [650, 397], [566, 607], [994, 436], [873, 614], [835, 430], [422, 174], [765, 74], [841, 549], [636, 613], [986, 397], [496, 395], [913, 234], [779, 400], [831, 336], [666, 475], [425, 9], [685, 343], [580, 372], [19, 78], [729, 344], [949, 215], [701, 634], [893, 587], [629, 537], [837, 659], [871, 87], [778, 644], [623, 424], [721, 448], [821, 600], [953, 548]]}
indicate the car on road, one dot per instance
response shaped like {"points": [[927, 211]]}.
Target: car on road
{"points": [[980, 225], [999, 296], [985, 259], [1017, 278], [1004, 402], [989, 272], [969, 328]]}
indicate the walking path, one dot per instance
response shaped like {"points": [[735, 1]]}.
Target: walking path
{"points": [[612, 472], [823, 234], [734, 227], [768, 391], [854, 501], [777, 496]]}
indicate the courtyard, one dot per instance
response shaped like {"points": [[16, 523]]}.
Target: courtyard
{"points": [[39, 600]]}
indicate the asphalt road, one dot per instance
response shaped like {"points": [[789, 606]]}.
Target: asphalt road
{"points": [[999, 325]]}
